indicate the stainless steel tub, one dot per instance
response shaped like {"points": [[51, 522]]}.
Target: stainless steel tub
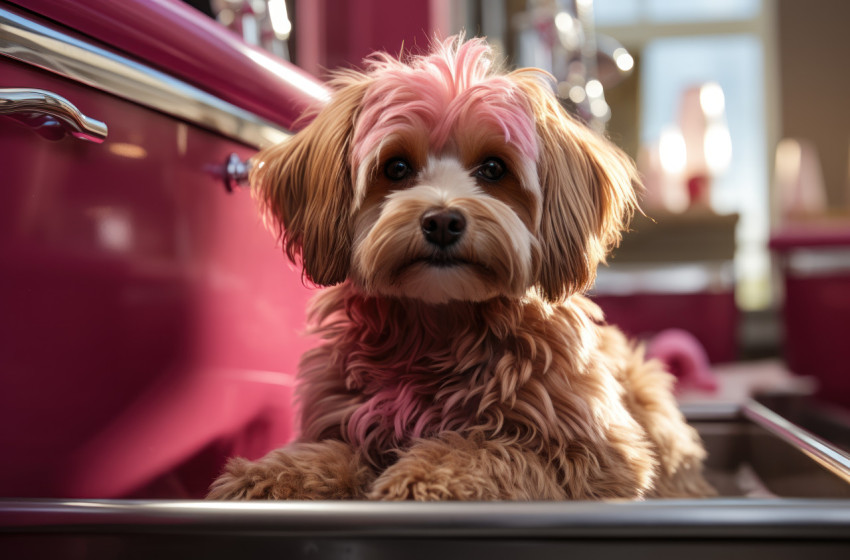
{"points": [[783, 494], [753, 451]]}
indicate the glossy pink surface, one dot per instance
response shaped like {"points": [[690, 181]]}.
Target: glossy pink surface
{"points": [[816, 308], [341, 33], [174, 37], [149, 325], [816, 314]]}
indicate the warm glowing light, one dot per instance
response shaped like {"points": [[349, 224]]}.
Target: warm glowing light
{"points": [[717, 145], [280, 19], [226, 17], [307, 85], [594, 88], [598, 108], [789, 159], [127, 150], [712, 100], [672, 150], [799, 177], [577, 94], [623, 59], [564, 22]]}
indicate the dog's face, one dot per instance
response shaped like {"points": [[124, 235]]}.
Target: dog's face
{"points": [[442, 179]]}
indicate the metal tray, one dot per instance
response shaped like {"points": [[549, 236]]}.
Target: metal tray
{"points": [[783, 491]]}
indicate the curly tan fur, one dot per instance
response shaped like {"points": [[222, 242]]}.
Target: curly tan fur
{"points": [[474, 370], [514, 400]]}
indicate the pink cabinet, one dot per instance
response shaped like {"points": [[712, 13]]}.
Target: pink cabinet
{"points": [[815, 265], [149, 324]]}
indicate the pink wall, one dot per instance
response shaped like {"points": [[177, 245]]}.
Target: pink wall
{"points": [[340, 33]]}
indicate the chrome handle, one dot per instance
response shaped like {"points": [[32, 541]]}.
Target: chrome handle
{"points": [[50, 114], [830, 457], [236, 172]]}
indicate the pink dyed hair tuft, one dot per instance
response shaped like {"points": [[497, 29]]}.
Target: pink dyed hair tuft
{"points": [[431, 93]]}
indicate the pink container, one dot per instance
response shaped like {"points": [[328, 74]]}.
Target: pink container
{"points": [[815, 264]]}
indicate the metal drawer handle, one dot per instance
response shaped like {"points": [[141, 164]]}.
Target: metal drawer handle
{"points": [[236, 172], [51, 115]]}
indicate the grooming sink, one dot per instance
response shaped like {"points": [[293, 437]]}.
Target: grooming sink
{"points": [[784, 492], [755, 452]]}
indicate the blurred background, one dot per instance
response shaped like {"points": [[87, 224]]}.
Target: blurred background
{"points": [[733, 109]]}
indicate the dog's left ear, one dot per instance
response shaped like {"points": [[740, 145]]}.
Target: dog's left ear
{"points": [[589, 192]]}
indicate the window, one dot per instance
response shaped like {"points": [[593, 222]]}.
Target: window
{"points": [[686, 44]]}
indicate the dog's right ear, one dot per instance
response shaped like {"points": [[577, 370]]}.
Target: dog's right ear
{"points": [[305, 186], [590, 190]]}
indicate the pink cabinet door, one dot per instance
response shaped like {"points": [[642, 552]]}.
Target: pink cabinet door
{"points": [[149, 324]]}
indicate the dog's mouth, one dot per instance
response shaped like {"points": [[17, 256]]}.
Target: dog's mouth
{"points": [[441, 260], [444, 261], [440, 277]]}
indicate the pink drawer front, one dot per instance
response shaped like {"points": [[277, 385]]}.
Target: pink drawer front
{"points": [[149, 325], [817, 330]]}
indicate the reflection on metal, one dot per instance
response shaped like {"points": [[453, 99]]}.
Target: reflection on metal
{"points": [[394, 522], [46, 48], [45, 110], [114, 227], [264, 23], [128, 150], [560, 36], [831, 458], [236, 172]]}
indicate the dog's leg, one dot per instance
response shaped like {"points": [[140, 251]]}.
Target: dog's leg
{"points": [[649, 398], [301, 471], [457, 467]]}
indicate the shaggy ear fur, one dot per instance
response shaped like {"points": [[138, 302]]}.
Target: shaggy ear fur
{"points": [[305, 188], [588, 192]]}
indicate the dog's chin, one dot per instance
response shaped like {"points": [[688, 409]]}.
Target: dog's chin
{"points": [[442, 279]]}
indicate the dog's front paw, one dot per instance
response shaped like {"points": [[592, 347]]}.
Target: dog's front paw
{"points": [[243, 480], [426, 484], [449, 468], [306, 471]]}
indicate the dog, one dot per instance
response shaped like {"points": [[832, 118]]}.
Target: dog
{"points": [[456, 214]]}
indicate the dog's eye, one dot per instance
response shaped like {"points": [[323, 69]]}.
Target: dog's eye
{"points": [[397, 169], [492, 169]]}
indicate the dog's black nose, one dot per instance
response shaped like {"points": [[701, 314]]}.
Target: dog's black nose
{"points": [[443, 227]]}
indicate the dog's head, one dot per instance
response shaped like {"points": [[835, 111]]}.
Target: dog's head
{"points": [[444, 179]]}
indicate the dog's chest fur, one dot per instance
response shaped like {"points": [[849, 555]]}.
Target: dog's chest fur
{"points": [[401, 370]]}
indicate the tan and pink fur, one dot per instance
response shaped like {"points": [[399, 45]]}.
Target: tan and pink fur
{"points": [[470, 369]]}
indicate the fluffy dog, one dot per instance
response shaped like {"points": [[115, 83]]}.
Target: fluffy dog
{"points": [[459, 213]]}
